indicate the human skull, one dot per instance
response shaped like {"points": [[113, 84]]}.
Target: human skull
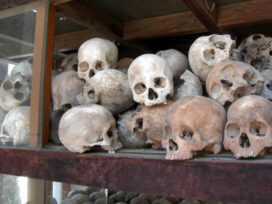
{"points": [[108, 88], [123, 64], [193, 123], [14, 91], [176, 60], [248, 130], [257, 51], [230, 80], [207, 51], [65, 88], [95, 55], [187, 85], [86, 126], [70, 63], [150, 80], [267, 88], [15, 127], [24, 68]]}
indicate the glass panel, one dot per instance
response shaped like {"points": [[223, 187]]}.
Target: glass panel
{"points": [[17, 31]]}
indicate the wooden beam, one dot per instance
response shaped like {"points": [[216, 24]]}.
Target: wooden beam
{"points": [[58, 2], [205, 11], [228, 16]]}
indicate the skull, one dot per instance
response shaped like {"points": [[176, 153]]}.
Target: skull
{"points": [[267, 88], [24, 69], [257, 51], [248, 130], [15, 127], [70, 63], [95, 55], [110, 89], [177, 61], [14, 91], [150, 80], [86, 126], [193, 123], [125, 131], [187, 85], [230, 80], [207, 51], [65, 88], [123, 64]]}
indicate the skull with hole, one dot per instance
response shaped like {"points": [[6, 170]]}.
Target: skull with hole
{"points": [[150, 80], [24, 68], [267, 88], [95, 55], [65, 88], [123, 64], [207, 51], [231, 80], [248, 130], [176, 60], [85, 126], [70, 63], [14, 91], [110, 89], [187, 85], [193, 123], [257, 51], [15, 127]]}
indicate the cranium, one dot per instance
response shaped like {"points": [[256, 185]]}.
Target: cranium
{"points": [[257, 51], [150, 79], [207, 51], [193, 123], [123, 64], [187, 85], [70, 63], [110, 89], [24, 68], [176, 60], [86, 126], [230, 80], [14, 91], [267, 88], [15, 127], [248, 130], [65, 88], [95, 55]]}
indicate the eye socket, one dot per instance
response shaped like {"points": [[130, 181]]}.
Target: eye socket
{"points": [[209, 54], [99, 65], [7, 85], [83, 66], [139, 88], [91, 94], [110, 134], [160, 82], [232, 130], [187, 134], [220, 45], [258, 128], [18, 85]]}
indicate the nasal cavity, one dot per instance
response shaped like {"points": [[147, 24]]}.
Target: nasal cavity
{"points": [[152, 94], [244, 141]]}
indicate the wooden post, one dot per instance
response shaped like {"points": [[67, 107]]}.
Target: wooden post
{"points": [[36, 191]]}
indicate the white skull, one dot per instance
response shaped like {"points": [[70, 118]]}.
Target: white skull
{"points": [[65, 88], [267, 88], [15, 127], [86, 126], [176, 60], [193, 123], [14, 91], [257, 51], [187, 85], [230, 80], [24, 69], [207, 51], [248, 130], [110, 89], [150, 79], [70, 63], [95, 55]]}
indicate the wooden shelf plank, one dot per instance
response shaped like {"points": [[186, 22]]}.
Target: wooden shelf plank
{"points": [[207, 178]]}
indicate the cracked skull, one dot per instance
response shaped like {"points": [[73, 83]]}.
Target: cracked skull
{"points": [[193, 123], [14, 91], [65, 88], [85, 126], [150, 80], [248, 130], [208, 51], [95, 55], [70, 63], [110, 89], [231, 80]]}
